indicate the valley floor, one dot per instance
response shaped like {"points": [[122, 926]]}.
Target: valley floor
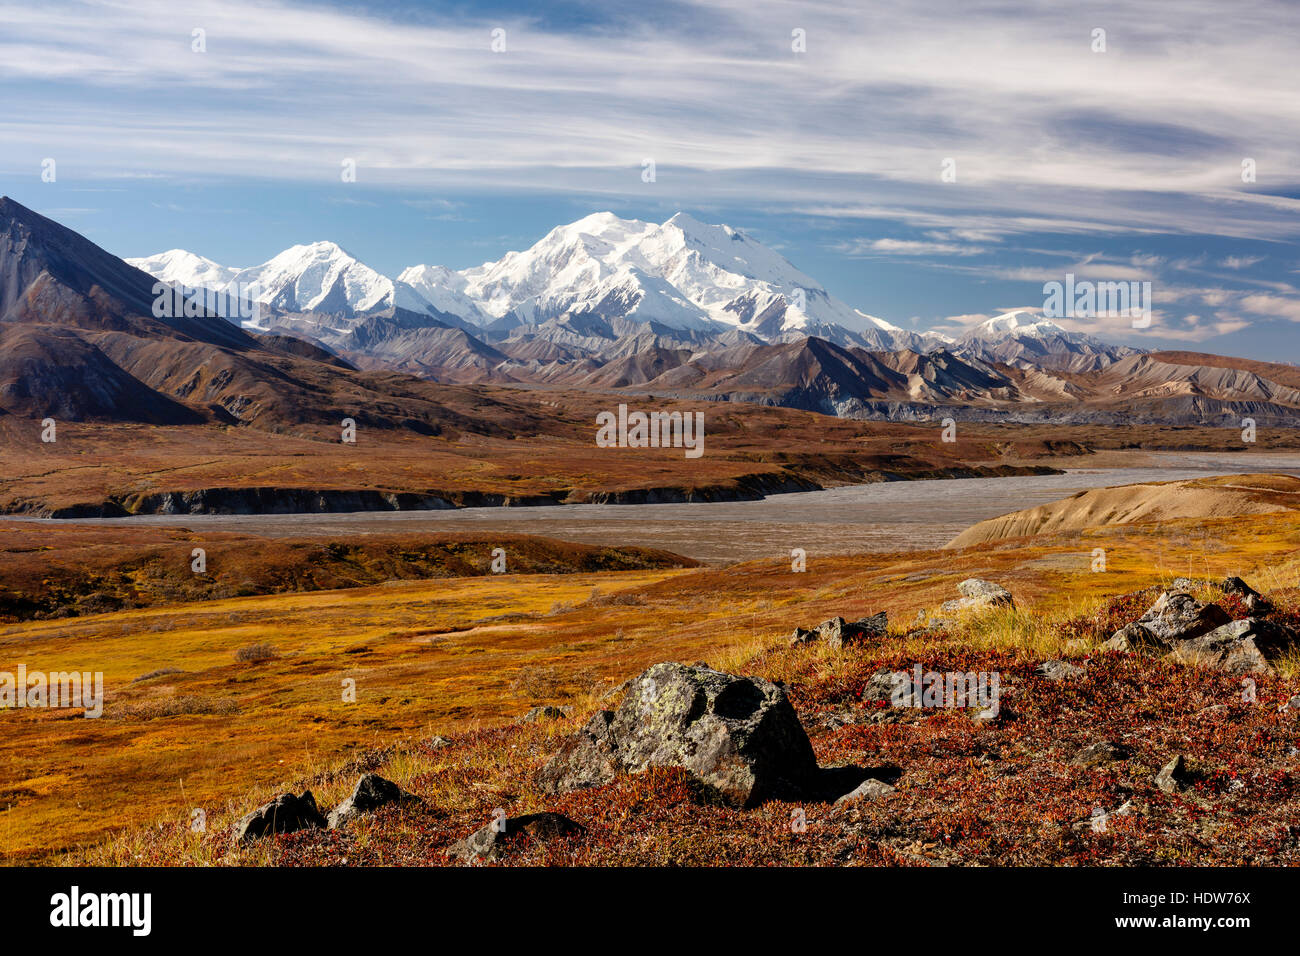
{"points": [[187, 725]]}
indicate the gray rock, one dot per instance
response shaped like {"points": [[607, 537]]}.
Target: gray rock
{"points": [[867, 790], [1059, 670], [285, 814], [1099, 753], [547, 712], [1241, 647], [803, 635], [837, 633], [1100, 816], [977, 589], [1133, 639], [978, 594], [587, 759], [1255, 602], [371, 792], [738, 735], [1173, 776], [493, 841], [1175, 616], [880, 686]]}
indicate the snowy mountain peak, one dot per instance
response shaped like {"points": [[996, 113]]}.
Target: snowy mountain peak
{"points": [[1019, 322], [180, 267], [1030, 340], [682, 274]]}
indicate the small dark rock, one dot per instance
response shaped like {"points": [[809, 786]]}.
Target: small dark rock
{"points": [[547, 712], [837, 633], [1255, 602], [371, 792], [493, 841], [1101, 752], [285, 814], [803, 635], [1173, 776]]}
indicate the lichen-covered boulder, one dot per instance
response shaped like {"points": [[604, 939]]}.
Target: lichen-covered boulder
{"points": [[1175, 616], [1242, 647], [738, 735], [587, 759]]}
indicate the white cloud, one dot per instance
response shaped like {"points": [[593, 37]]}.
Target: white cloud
{"points": [[1047, 136], [906, 247]]}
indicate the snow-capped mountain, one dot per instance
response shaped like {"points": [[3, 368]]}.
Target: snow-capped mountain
{"points": [[444, 289], [322, 277], [185, 268], [682, 273], [1028, 340], [317, 278], [688, 281]]}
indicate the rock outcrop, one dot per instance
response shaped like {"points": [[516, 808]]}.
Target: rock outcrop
{"points": [[1241, 647], [1181, 627], [1176, 616]]}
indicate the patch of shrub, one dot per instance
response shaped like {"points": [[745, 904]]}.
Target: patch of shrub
{"points": [[255, 653]]}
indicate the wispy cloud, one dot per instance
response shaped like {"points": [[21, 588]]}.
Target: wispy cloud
{"points": [[940, 131], [1141, 136], [905, 247]]}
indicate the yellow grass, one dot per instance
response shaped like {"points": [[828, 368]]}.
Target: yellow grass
{"points": [[434, 657]]}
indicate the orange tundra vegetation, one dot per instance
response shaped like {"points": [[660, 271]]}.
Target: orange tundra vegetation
{"points": [[188, 725]]}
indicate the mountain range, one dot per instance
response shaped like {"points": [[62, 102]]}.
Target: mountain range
{"points": [[681, 310], [589, 293]]}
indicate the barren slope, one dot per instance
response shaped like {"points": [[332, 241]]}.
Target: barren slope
{"points": [[1126, 504]]}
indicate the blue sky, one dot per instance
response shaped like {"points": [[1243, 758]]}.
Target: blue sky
{"points": [[1117, 165]]}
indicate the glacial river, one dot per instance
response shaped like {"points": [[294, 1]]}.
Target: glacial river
{"points": [[890, 516]]}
